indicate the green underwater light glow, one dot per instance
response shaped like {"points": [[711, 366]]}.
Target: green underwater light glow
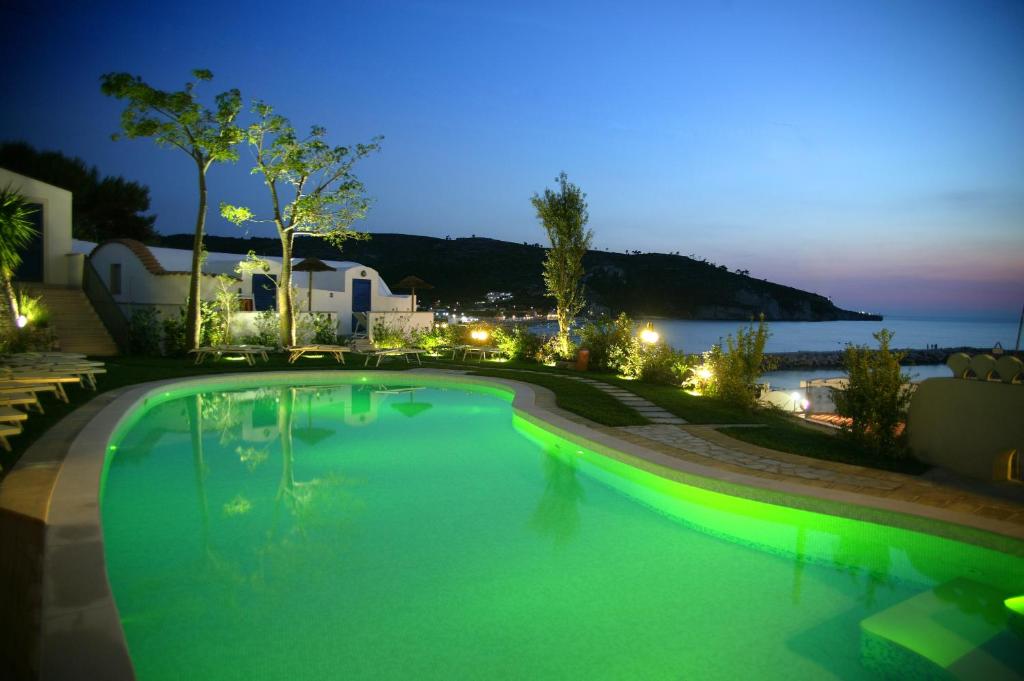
{"points": [[413, 527]]}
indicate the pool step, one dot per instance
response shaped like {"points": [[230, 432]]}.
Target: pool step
{"points": [[958, 630]]}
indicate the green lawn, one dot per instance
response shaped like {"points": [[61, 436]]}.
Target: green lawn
{"points": [[782, 435], [694, 409], [577, 397]]}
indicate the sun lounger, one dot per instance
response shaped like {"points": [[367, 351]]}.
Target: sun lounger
{"points": [[30, 378], [8, 388], [297, 351], [248, 352], [25, 399], [12, 415], [367, 349], [87, 371], [481, 351], [6, 430]]}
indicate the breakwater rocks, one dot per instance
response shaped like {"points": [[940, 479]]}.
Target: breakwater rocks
{"points": [[834, 358]]}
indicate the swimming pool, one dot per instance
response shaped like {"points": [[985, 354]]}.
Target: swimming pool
{"points": [[397, 527]]}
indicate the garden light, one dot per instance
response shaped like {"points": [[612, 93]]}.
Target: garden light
{"points": [[704, 373], [649, 335], [479, 335], [21, 321]]}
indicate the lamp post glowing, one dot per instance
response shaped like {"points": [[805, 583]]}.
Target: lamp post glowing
{"points": [[649, 335]]}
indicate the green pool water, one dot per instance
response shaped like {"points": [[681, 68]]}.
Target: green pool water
{"points": [[395, 531]]}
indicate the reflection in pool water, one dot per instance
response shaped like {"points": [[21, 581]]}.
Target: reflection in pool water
{"points": [[397, 531]]}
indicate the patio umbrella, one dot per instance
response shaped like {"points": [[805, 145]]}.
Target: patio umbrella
{"points": [[312, 265], [410, 408], [412, 282], [311, 435]]}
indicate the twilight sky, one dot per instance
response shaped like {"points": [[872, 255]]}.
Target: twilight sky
{"points": [[869, 151]]}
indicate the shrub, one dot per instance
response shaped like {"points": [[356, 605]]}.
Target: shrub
{"points": [[32, 338], [325, 331], [736, 370], [174, 329], [876, 398], [32, 307], [547, 351], [437, 337], [268, 329], [174, 333], [386, 336], [517, 342], [609, 341], [144, 332], [615, 347], [650, 362]]}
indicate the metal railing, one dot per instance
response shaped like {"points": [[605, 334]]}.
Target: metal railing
{"points": [[106, 307]]}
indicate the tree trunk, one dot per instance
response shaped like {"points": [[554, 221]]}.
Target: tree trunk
{"points": [[12, 302], [564, 325], [285, 304], [193, 322]]}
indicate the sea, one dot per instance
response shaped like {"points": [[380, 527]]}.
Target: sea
{"points": [[694, 336]]}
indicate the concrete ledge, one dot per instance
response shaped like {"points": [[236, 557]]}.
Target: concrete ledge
{"points": [[81, 633]]}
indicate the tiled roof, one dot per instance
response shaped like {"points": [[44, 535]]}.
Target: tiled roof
{"points": [[145, 256]]}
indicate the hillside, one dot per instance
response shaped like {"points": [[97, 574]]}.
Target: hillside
{"points": [[464, 270]]}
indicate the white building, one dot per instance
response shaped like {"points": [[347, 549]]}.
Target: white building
{"points": [[45, 259], [140, 276]]}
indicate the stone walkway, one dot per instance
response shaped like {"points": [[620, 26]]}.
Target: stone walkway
{"points": [[681, 439], [649, 410]]}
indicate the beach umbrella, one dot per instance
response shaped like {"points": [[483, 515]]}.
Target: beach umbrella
{"points": [[412, 282], [312, 265]]}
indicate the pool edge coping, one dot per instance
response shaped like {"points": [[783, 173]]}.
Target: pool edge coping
{"points": [[90, 635]]}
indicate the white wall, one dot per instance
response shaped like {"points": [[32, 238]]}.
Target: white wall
{"points": [[56, 203], [168, 292], [140, 287]]}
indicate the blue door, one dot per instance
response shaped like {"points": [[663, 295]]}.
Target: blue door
{"points": [[264, 292], [360, 299]]}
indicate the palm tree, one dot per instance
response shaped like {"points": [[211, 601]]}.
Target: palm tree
{"points": [[16, 232]]}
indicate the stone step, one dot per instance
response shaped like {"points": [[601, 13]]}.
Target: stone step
{"points": [[77, 326], [957, 630]]}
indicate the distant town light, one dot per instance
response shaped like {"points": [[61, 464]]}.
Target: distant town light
{"points": [[649, 335]]}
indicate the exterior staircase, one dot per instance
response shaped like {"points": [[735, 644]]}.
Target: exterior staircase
{"points": [[77, 326]]}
